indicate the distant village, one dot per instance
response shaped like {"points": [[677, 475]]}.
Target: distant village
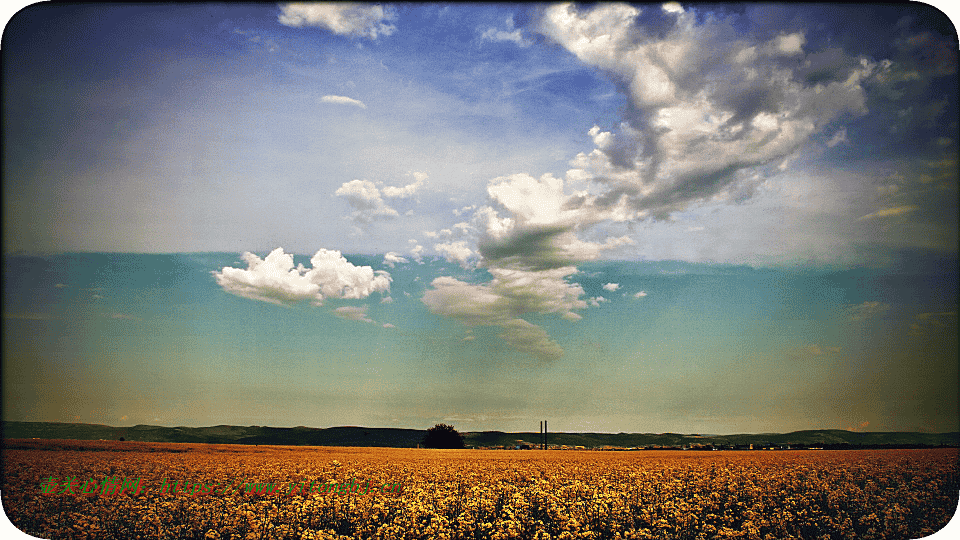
{"points": [[525, 445]]}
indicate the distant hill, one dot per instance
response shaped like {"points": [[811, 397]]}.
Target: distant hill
{"points": [[410, 438]]}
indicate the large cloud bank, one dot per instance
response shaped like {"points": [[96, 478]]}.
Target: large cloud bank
{"points": [[275, 279], [708, 109], [706, 103]]}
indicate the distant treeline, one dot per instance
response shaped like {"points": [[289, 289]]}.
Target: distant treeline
{"points": [[827, 439]]}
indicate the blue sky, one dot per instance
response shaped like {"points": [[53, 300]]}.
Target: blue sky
{"points": [[692, 218]]}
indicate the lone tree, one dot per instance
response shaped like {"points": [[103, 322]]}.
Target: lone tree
{"points": [[442, 436]]}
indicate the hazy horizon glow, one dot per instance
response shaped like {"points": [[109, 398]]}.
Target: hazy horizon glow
{"points": [[699, 219]]}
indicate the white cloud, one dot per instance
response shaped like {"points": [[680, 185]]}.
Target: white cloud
{"points": [[611, 286], [353, 313], [391, 258], [709, 106], [531, 339], [364, 196], [416, 251], [343, 100], [388, 325], [347, 19], [407, 190], [509, 295], [510, 34], [597, 300], [672, 7], [455, 251], [275, 279], [640, 294]]}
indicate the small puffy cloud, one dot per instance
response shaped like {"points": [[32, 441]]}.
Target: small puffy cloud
{"points": [[640, 294], [611, 286], [509, 34], [391, 258], [275, 279], [364, 196], [407, 190], [464, 210], [789, 44], [343, 100], [353, 313], [867, 310], [597, 300], [388, 325], [889, 212], [416, 251], [346, 19], [457, 252], [672, 7]]}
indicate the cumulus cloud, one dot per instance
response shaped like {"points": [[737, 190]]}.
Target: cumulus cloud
{"points": [[391, 258], [503, 300], [343, 100], [457, 252], [416, 251], [366, 197], [707, 105], [353, 313], [708, 110], [388, 325], [611, 286], [346, 19], [527, 239], [275, 279]]}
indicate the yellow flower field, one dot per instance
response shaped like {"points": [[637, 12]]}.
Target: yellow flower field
{"points": [[480, 494]]}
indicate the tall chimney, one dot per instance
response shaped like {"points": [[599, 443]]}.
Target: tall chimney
{"points": [[544, 434]]}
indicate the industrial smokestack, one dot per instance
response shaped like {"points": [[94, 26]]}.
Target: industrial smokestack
{"points": [[544, 434]]}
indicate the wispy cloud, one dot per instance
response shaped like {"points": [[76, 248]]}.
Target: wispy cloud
{"points": [[347, 19], [867, 310], [890, 212], [353, 313], [510, 34], [343, 100]]}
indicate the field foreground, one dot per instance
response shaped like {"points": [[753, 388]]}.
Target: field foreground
{"points": [[233, 491]]}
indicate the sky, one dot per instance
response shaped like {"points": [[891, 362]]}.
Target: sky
{"points": [[695, 218]]}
